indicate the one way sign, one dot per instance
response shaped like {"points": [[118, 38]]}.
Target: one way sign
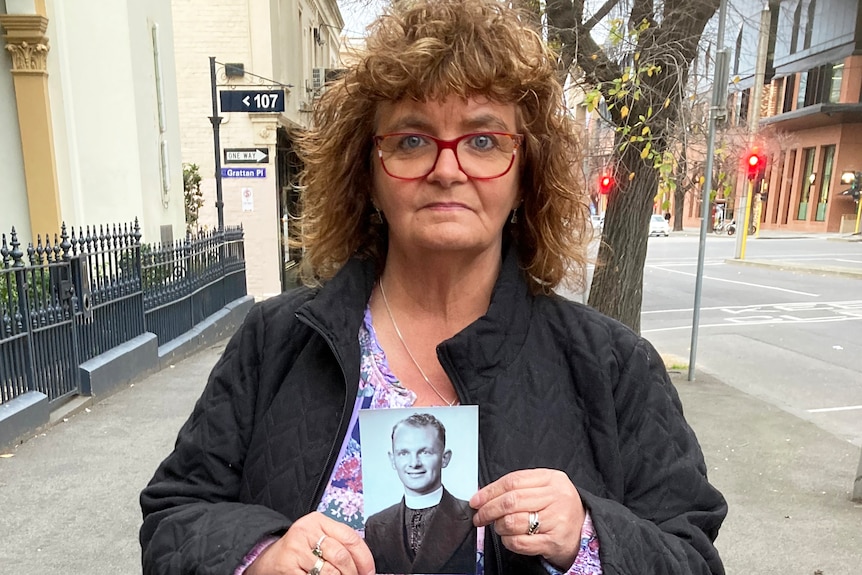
{"points": [[246, 155]]}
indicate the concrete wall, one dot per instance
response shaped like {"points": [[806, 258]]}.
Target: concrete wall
{"points": [[101, 83], [106, 123]]}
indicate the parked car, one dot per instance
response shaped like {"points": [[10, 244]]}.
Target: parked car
{"points": [[658, 226]]}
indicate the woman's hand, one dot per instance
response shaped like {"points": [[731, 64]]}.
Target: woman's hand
{"points": [[342, 549], [509, 502]]}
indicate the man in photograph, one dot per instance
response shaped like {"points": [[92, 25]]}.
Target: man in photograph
{"points": [[429, 530]]}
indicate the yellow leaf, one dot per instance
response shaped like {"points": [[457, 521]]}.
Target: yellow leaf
{"points": [[645, 131], [701, 180], [637, 56], [667, 103], [649, 72], [631, 176], [735, 80], [645, 152], [625, 77], [594, 56], [624, 111]]}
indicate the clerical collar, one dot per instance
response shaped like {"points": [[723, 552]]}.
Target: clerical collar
{"points": [[424, 501]]}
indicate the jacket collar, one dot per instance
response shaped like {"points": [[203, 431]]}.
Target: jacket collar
{"points": [[490, 344]]}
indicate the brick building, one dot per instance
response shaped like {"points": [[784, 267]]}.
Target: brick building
{"points": [[811, 105]]}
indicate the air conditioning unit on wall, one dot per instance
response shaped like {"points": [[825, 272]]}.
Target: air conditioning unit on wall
{"points": [[318, 79], [321, 76]]}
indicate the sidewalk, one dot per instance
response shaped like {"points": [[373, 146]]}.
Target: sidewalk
{"points": [[68, 497]]}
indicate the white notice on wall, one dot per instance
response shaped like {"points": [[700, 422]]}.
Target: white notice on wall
{"points": [[247, 200]]}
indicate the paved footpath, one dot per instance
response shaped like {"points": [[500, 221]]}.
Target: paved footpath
{"points": [[69, 496]]}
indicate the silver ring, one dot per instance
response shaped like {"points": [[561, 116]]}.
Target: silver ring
{"points": [[318, 565], [534, 523], [318, 552]]}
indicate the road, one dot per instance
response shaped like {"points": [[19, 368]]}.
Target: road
{"points": [[790, 338]]}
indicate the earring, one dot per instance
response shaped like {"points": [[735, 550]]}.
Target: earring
{"points": [[377, 217], [514, 218]]}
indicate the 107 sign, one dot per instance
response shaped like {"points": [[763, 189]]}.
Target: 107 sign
{"points": [[252, 100]]}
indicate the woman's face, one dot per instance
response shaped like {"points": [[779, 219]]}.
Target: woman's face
{"points": [[446, 210]]}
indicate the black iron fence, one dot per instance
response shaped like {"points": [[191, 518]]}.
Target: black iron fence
{"points": [[189, 280], [67, 301]]}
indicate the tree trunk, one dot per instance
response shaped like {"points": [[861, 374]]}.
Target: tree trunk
{"points": [[617, 286]]}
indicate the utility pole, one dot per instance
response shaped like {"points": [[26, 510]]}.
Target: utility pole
{"points": [[744, 209], [215, 119], [717, 109]]}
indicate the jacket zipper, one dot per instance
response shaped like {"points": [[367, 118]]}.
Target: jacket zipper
{"points": [[484, 474], [344, 413]]}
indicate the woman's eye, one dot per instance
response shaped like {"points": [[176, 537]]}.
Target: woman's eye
{"points": [[484, 141], [411, 142]]}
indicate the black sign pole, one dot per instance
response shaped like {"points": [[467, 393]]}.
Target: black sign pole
{"points": [[215, 119]]}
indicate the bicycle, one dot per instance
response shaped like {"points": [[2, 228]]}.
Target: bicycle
{"points": [[731, 228]]}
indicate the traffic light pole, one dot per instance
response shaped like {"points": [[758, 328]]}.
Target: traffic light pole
{"points": [[858, 214], [743, 233]]}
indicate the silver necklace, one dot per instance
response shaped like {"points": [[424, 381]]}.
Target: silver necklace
{"points": [[407, 349]]}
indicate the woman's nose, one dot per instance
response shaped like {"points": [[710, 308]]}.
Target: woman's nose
{"points": [[447, 170]]}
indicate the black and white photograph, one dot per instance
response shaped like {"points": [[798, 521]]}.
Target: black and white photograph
{"points": [[420, 468]]}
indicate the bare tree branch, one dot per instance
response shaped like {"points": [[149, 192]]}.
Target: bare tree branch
{"points": [[600, 13]]}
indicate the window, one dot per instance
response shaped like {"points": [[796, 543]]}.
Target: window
{"points": [[803, 87], [807, 182], [835, 84], [744, 98], [809, 24], [794, 34], [825, 182], [789, 86], [738, 52], [820, 84]]}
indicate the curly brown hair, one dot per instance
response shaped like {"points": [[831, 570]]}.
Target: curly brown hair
{"points": [[431, 50]]}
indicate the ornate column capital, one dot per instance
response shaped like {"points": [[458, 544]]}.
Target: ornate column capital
{"points": [[26, 41]]}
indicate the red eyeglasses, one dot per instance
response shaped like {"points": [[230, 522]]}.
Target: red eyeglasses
{"points": [[480, 155]]}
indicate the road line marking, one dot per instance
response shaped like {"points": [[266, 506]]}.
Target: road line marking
{"points": [[849, 261], [832, 409], [741, 283], [740, 322], [755, 306]]}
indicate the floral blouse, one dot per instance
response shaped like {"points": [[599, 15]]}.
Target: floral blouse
{"points": [[343, 500]]}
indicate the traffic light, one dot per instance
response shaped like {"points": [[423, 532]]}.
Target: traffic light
{"points": [[606, 183], [855, 181], [755, 163]]}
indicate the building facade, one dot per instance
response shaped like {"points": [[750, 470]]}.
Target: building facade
{"points": [[286, 47], [810, 111], [89, 125]]}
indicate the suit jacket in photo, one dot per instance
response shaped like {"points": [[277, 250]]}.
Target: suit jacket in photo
{"points": [[448, 547]]}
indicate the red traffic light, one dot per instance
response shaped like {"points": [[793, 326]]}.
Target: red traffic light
{"points": [[606, 182], [756, 165]]}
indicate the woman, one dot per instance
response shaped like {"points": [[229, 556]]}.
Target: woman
{"points": [[439, 212]]}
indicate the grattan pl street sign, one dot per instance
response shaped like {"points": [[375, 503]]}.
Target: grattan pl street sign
{"points": [[246, 155], [252, 100], [243, 172]]}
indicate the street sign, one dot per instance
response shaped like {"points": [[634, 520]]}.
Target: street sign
{"points": [[243, 172], [246, 155], [252, 100]]}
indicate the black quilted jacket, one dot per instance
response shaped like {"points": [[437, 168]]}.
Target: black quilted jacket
{"points": [[558, 386]]}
